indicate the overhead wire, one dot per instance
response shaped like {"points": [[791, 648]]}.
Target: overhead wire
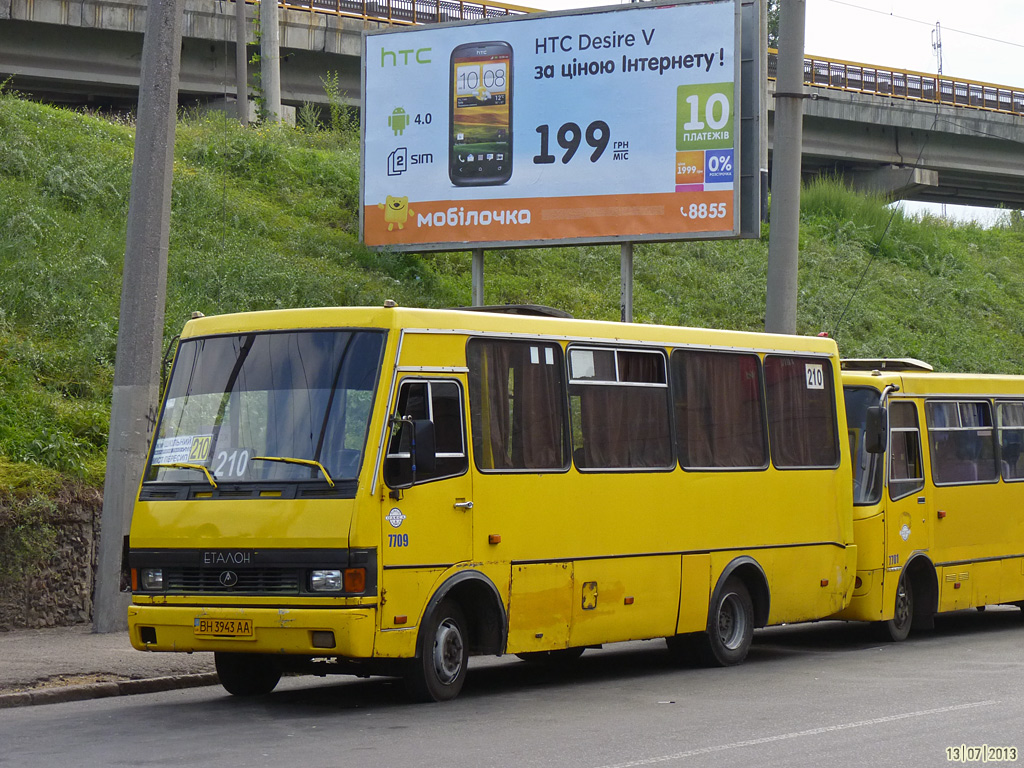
{"points": [[928, 23], [878, 245]]}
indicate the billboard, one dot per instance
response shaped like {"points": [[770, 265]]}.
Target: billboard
{"points": [[617, 124]]}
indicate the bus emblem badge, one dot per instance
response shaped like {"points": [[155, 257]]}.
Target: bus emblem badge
{"points": [[228, 579], [905, 532], [395, 517]]}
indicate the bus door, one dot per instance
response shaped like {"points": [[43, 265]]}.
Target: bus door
{"points": [[907, 519], [427, 505], [969, 533]]}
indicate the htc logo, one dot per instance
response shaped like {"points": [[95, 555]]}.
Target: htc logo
{"points": [[418, 56]]}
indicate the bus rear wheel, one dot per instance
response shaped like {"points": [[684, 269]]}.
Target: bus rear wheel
{"points": [[898, 627], [439, 669], [730, 627], [246, 674]]}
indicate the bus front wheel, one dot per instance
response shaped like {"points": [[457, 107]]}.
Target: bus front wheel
{"points": [[246, 674], [898, 627], [730, 627], [439, 670]]}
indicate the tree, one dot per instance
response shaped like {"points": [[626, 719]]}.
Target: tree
{"points": [[773, 23]]}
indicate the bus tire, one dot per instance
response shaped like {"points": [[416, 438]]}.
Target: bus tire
{"points": [[439, 669], [246, 674], [552, 658], [730, 627], [898, 627]]}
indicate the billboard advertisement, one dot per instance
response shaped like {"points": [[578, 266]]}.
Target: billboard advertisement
{"points": [[605, 125]]}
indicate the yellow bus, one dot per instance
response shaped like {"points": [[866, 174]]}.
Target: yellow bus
{"points": [[390, 491], [938, 491]]}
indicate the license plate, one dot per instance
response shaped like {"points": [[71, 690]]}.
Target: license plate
{"points": [[224, 627]]}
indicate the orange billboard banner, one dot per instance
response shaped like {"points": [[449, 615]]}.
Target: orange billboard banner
{"points": [[398, 220]]}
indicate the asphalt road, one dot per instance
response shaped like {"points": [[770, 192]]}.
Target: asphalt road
{"points": [[828, 694]]}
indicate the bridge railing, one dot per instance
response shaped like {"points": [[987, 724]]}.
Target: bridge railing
{"points": [[827, 73], [406, 11], [906, 84]]}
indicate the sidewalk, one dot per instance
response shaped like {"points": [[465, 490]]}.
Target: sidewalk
{"points": [[42, 666]]}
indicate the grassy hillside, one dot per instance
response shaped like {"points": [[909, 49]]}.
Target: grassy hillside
{"points": [[266, 217]]}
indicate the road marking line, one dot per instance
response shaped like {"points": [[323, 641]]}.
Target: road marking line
{"points": [[798, 734]]}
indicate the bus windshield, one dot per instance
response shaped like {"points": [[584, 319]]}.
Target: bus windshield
{"points": [[867, 467], [274, 406]]}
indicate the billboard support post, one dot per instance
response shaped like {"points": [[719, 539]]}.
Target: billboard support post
{"points": [[478, 277], [626, 283]]}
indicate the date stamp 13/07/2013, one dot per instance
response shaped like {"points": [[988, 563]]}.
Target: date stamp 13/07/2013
{"points": [[982, 753]]}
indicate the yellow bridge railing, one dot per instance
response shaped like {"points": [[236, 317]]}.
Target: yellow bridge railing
{"points": [[407, 11], [827, 73], [906, 84]]}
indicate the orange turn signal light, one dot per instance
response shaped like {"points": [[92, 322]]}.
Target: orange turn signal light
{"points": [[355, 579], [494, 538]]}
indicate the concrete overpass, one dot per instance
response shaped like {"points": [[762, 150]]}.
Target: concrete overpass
{"points": [[906, 134]]}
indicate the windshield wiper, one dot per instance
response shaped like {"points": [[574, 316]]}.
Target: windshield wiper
{"points": [[291, 460], [188, 465]]}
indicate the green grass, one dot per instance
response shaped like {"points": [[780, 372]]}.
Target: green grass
{"points": [[267, 217]]}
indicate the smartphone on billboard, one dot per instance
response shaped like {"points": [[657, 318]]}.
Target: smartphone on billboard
{"points": [[480, 114]]}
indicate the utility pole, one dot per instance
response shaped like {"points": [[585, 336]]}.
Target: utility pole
{"points": [[270, 58], [241, 64], [784, 239], [143, 293]]}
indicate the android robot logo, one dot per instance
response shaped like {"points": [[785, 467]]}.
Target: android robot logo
{"points": [[398, 121]]}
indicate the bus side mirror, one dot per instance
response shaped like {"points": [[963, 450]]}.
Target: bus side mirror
{"points": [[417, 455], [424, 447], [876, 429]]}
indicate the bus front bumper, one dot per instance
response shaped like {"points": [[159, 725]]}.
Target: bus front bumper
{"points": [[299, 631]]}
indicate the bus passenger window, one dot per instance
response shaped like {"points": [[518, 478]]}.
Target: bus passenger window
{"points": [[517, 405], [441, 403], [719, 410], [960, 434], [801, 411], [620, 409], [905, 473], [1011, 440]]}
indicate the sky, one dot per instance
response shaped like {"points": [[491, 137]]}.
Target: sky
{"points": [[981, 40]]}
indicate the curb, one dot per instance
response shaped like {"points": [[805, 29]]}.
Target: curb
{"points": [[105, 690]]}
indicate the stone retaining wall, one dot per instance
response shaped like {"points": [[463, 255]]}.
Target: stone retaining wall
{"points": [[59, 591]]}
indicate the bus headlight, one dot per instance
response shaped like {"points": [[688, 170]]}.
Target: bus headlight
{"points": [[151, 579], [328, 580]]}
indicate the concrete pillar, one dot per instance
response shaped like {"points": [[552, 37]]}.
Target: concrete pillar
{"points": [[270, 58], [784, 240], [241, 63], [143, 292]]}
